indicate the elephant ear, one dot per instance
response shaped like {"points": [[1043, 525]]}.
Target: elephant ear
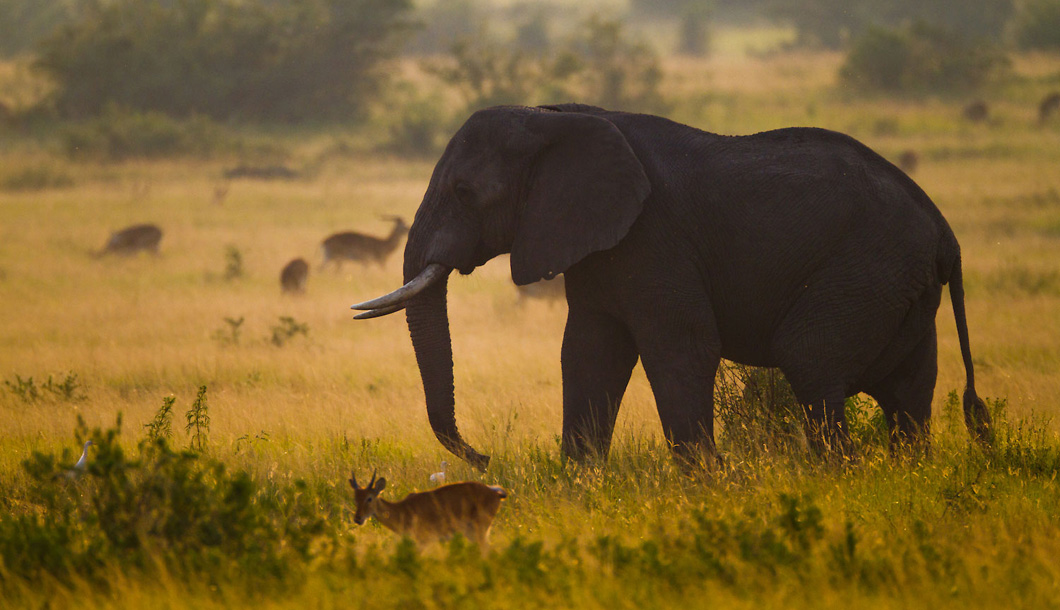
{"points": [[586, 189]]}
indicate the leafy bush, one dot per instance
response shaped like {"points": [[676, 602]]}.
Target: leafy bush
{"points": [[757, 409], [609, 68], [921, 59], [1037, 25], [599, 64], [182, 508], [418, 124], [121, 134], [24, 22], [242, 59], [833, 23], [35, 178]]}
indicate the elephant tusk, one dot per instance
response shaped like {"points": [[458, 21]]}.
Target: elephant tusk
{"points": [[378, 313], [431, 274]]}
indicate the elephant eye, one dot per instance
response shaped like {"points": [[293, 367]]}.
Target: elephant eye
{"points": [[464, 193]]}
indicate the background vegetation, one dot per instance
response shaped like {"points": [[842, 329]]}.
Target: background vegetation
{"points": [[227, 417]]}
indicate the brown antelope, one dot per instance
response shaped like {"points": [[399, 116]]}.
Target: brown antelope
{"points": [[1050, 104], [360, 247], [131, 240], [293, 276], [428, 516]]}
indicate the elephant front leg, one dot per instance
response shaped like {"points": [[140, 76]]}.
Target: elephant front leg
{"points": [[597, 359]]}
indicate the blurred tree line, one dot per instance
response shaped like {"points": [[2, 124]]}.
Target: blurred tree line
{"points": [[299, 60], [287, 60]]}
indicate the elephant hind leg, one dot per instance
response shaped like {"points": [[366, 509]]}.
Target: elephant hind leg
{"points": [[905, 394]]}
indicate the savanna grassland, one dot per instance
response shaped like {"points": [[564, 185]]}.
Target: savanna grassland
{"points": [[263, 514]]}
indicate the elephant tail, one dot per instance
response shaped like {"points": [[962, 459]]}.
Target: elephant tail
{"points": [[976, 415]]}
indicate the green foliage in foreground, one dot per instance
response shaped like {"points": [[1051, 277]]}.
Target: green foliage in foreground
{"points": [[965, 524]]}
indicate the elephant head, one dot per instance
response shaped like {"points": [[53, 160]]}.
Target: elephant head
{"points": [[547, 186]]}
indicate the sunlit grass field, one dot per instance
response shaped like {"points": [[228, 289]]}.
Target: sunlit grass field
{"points": [[962, 526]]}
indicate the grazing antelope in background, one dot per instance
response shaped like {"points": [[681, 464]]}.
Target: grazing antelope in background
{"points": [[131, 240], [1050, 104], [976, 112], [908, 161], [365, 248], [428, 516], [293, 276]]}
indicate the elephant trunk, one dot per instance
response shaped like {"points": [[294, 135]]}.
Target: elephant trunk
{"points": [[428, 321]]}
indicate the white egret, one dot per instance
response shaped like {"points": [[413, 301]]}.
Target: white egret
{"points": [[439, 477]]}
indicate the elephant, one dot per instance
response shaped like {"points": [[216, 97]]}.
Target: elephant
{"points": [[799, 248]]}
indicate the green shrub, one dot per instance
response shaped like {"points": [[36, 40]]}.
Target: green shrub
{"points": [[920, 59], [36, 178], [184, 509], [119, 134], [598, 64], [227, 59], [1037, 25], [418, 126], [834, 23]]}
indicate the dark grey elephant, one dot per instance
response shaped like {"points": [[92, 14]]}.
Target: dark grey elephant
{"points": [[798, 248]]}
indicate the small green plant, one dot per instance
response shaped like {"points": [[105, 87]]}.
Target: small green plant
{"points": [[198, 418], [866, 421], [229, 335], [246, 441], [36, 178], [756, 408], [233, 263], [160, 425], [287, 329], [67, 388], [24, 389]]}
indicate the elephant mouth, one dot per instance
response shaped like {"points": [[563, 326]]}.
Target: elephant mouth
{"points": [[396, 300]]}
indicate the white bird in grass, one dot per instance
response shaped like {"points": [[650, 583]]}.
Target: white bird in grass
{"points": [[439, 477], [81, 464]]}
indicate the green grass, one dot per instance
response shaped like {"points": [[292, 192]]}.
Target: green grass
{"points": [[289, 419]]}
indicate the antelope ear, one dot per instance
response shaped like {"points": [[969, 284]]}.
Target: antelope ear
{"points": [[380, 484], [587, 189]]}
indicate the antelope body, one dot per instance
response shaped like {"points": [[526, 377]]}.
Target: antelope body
{"points": [[428, 516], [293, 276], [353, 246], [131, 240], [1050, 104]]}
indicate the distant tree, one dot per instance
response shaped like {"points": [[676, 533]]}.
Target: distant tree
{"points": [[1037, 25], [243, 59], [921, 59], [24, 22], [834, 23], [598, 64]]}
